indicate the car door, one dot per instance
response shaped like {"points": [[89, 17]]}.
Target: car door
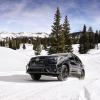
{"points": [[73, 65], [79, 64]]}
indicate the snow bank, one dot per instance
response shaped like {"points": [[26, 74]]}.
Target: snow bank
{"points": [[11, 60], [28, 51]]}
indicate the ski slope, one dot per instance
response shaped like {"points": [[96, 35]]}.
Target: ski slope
{"points": [[15, 84]]}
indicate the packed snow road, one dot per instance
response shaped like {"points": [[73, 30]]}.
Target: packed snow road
{"points": [[19, 86], [15, 84]]}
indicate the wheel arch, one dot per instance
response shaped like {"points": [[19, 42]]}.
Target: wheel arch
{"points": [[67, 66]]}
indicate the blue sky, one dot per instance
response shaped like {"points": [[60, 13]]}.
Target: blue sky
{"points": [[38, 15]]}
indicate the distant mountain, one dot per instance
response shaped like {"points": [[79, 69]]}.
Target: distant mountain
{"points": [[4, 35]]}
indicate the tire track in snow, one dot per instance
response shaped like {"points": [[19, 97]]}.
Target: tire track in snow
{"points": [[87, 94], [55, 90], [39, 90]]}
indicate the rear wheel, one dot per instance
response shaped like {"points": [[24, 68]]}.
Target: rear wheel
{"points": [[64, 72], [35, 76]]}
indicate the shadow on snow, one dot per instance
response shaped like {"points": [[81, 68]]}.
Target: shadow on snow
{"points": [[25, 79]]}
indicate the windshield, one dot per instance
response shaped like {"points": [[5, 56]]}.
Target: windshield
{"points": [[38, 60], [51, 60], [44, 60]]}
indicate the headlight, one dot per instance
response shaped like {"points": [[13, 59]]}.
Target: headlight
{"points": [[55, 58]]}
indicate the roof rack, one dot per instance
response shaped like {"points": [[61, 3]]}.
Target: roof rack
{"points": [[60, 54]]}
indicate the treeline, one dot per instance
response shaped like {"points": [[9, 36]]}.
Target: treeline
{"points": [[37, 42], [61, 40], [88, 40], [13, 43]]}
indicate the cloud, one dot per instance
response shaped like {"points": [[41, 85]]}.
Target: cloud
{"points": [[38, 15], [85, 12], [38, 19]]}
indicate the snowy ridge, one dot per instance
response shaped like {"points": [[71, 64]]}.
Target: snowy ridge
{"points": [[4, 35]]}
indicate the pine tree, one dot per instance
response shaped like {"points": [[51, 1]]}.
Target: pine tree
{"points": [[44, 42], [24, 47], [90, 29], [10, 44], [38, 46], [3, 43], [13, 44], [34, 44], [83, 41], [99, 36], [56, 31], [61, 47], [96, 39], [18, 44], [91, 38], [66, 31], [56, 37], [38, 50]]}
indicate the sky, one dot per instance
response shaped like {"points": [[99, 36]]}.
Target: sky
{"points": [[38, 15]]}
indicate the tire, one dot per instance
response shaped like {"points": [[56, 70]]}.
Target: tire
{"points": [[35, 77], [82, 74], [64, 72]]}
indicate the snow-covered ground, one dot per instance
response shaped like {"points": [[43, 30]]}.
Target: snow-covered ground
{"points": [[15, 84]]}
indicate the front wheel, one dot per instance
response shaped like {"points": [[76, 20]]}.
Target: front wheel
{"points": [[82, 74], [35, 77], [64, 72]]}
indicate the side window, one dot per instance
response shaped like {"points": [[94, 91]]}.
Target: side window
{"points": [[77, 59], [72, 61], [71, 58]]}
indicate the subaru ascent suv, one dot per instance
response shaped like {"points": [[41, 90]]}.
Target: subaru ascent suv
{"points": [[58, 65]]}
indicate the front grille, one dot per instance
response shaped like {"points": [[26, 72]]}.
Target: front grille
{"points": [[42, 64], [35, 70]]}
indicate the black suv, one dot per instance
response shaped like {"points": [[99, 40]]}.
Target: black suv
{"points": [[59, 65]]}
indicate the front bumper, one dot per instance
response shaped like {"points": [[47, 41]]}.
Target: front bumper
{"points": [[50, 70]]}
